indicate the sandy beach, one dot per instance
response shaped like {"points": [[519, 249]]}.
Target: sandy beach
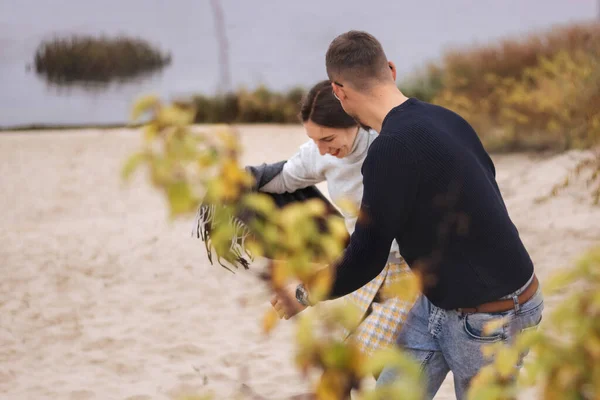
{"points": [[102, 297]]}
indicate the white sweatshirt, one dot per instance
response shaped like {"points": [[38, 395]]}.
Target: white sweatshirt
{"points": [[343, 175]]}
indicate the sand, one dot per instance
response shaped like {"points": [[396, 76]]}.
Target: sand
{"points": [[102, 297]]}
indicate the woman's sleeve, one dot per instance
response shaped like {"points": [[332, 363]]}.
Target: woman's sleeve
{"points": [[303, 169]]}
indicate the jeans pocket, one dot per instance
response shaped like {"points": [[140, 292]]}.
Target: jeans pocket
{"points": [[530, 315], [487, 327]]}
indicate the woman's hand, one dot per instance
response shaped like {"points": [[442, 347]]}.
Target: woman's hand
{"points": [[285, 303]]}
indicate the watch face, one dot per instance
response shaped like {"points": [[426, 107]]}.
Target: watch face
{"points": [[300, 295]]}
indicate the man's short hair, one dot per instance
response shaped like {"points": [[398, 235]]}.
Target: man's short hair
{"points": [[358, 58]]}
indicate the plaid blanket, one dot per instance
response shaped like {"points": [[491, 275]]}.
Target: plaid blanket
{"points": [[383, 317]]}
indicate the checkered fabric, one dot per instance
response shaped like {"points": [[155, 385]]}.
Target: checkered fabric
{"points": [[382, 317]]}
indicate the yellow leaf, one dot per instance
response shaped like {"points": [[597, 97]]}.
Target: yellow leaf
{"points": [[567, 375], [291, 214], [406, 288], [348, 315], [180, 198], [132, 164], [337, 228], [489, 392], [173, 115], [527, 339], [559, 281], [391, 357], [337, 355], [320, 284], [150, 132], [331, 386], [592, 345], [254, 248], [228, 138], [280, 273], [506, 362], [260, 202], [270, 320], [305, 332], [347, 206], [490, 350], [332, 248], [143, 105], [315, 207], [492, 326]]}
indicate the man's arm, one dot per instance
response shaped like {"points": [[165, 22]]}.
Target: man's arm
{"points": [[390, 180]]}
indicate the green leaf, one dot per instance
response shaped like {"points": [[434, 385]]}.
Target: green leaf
{"points": [[132, 164], [180, 198], [305, 332], [506, 362], [260, 202], [143, 105], [559, 281], [176, 116], [391, 357]]}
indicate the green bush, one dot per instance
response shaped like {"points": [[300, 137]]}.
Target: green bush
{"points": [[259, 106], [99, 60]]}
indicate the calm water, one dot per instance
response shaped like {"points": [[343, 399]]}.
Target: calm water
{"points": [[280, 43]]}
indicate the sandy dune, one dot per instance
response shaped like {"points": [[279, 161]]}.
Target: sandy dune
{"points": [[101, 297]]}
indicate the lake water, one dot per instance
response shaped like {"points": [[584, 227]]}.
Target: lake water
{"points": [[277, 43]]}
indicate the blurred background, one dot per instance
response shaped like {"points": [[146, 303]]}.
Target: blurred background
{"points": [[277, 44], [102, 296]]}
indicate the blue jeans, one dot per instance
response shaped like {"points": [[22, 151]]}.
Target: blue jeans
{"points": [[449, 340]]}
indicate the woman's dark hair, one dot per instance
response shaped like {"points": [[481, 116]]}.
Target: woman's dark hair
{"points": [[321, 107]]}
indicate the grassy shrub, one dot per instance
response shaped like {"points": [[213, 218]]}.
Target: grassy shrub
{"points": [[465, 70], [540, 92], [425, 85], [98, 60], [261, 105], [553, 105]]}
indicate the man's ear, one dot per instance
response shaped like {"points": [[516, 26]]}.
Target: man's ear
{"points": [[393, 68], [338, 91]]}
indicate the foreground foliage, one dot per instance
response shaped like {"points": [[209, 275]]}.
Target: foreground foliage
{"points": [[189, 166]]}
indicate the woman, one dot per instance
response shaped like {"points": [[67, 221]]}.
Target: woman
{"points": [[335, 154]]}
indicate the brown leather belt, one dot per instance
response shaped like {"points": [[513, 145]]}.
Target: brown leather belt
{"points": [[505, 304]]}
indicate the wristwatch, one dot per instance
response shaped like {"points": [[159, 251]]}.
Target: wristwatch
{"points": [[302, 295]]}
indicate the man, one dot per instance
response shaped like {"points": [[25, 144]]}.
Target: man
{"points": [[429, 184]]}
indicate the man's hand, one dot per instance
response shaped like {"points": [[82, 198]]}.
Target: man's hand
{"points": [[285, 303]]}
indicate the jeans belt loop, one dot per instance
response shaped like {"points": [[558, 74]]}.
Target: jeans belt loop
{"points": [[515, 300]]}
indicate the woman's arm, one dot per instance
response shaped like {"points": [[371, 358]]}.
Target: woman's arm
{"points": [[303, 169]]}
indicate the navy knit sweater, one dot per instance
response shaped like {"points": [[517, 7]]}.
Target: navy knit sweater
{"points": [[430, 184]]}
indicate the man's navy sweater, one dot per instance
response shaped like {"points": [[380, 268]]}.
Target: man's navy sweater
{"points": [[430, 184]]}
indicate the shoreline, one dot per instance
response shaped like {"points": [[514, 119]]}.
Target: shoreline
{"points": [[540, 151]]}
